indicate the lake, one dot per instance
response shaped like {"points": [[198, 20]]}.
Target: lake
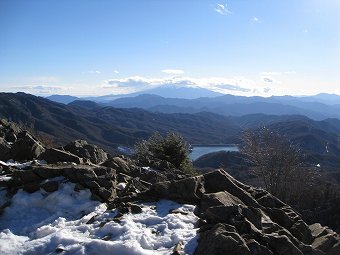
{"points": [[198, 151]]}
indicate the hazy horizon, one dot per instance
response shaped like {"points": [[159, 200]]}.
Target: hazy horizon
{"points": [[94, 48], [44, 94]]}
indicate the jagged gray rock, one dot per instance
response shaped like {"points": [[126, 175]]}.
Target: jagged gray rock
{"points": [[84, 150], [100, 180], [241, 215], [188, 190], [218, 199], [54, 155], [121, 165], [222, 239], [17, 144], [26, 147]]}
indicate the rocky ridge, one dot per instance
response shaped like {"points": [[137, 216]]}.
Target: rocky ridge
{"points": [[234, 218]]}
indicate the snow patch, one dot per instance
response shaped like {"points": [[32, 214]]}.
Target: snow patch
{"points": [[148, 169], [12, 163], [30, 211], [5, 178], [121, 185], [68, 221]]}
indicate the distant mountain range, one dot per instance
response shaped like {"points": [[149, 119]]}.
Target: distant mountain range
{"points": [[230, 105], [170, 91], [108, 127], [172, 99]]}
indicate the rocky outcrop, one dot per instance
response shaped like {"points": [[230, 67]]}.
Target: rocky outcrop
{"points": [[84, 150], [222, 239], [26, 147], [234, 218], [239, 219], [100, 180], [53, 155], [126, 166], [17, 144], [22, 145]]}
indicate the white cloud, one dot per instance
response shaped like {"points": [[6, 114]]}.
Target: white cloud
{"points": [[256, 19], [173, 71], [278, 73], [219, 84], [228, 85], [92, 72], [110, 87], [116, 71], [222, 9], [41, 89]]}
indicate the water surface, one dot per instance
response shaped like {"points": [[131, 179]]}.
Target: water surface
{"points": [[199, 151]]}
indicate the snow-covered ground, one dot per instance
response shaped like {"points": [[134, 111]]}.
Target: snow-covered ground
{"points": [[18, 165], [68, 222]]}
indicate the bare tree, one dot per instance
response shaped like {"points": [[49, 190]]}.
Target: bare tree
{"points": [[278, 164]]}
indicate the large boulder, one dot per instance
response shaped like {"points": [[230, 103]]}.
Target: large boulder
{"points": [[53, 155], [220, 240], [258, 249], [191, 189], [290, 220], [301, 231], [220, 180], [120, 165], [5, 150], [17, 144], [325, 239], [224, 214], [26, 147], [281, 244], [222, 198], [184, 191], [268, 200], [87, 151]]}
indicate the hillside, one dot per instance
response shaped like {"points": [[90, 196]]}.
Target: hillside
{"points": [[107, 126]]}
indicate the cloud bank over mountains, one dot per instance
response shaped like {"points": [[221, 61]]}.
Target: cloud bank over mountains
{"points": [[218, 84], [266, 83]]}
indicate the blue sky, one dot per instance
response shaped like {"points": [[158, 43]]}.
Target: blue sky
{"points": [[245, 47]]}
